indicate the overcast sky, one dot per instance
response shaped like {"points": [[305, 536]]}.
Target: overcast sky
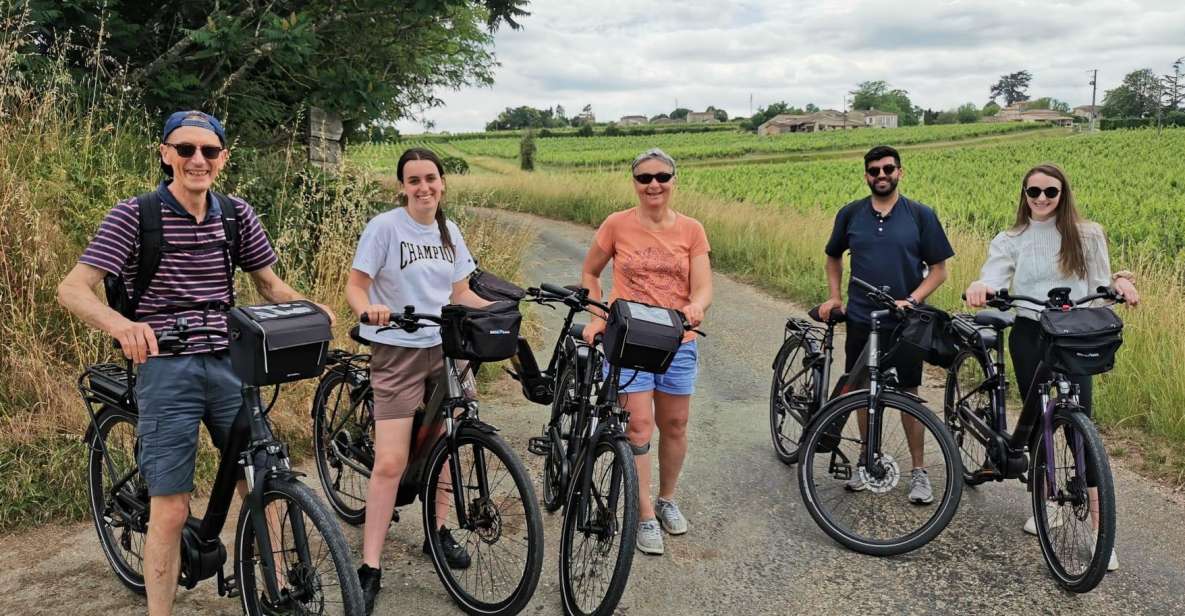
{"points": [[639, 57]]}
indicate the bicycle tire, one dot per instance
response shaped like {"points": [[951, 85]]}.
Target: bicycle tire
{"points": [[335, 416], [122, 536], [312, 597], [793, 396], [1067, 422], [816, 489], [492, 528], [968, 370], [555, 466], [626, 532]]}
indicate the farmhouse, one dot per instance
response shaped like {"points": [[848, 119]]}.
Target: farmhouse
{"points": [[1086, 111], [1017, 113], [633, 120], [702, 117], [880, 119], [827, 119]]}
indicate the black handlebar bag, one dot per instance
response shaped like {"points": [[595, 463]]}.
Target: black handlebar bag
{"points": [[492, 288], [480, 334], [278, 343], [925, 333], [642, 337], [1082, 341]]}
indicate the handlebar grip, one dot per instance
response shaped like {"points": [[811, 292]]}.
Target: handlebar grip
{"points": [[364, 318], [555, 290]]}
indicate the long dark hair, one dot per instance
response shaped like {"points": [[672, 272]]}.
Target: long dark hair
{"points": [[425, 154], [1072, 257]]}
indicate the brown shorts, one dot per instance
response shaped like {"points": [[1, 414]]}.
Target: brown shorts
{"points": [[403, 377]]}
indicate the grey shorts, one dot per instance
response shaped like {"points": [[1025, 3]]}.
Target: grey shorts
{"points": [[175, 395]]}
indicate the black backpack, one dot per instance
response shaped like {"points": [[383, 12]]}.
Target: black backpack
{"points": [[153, 245]]}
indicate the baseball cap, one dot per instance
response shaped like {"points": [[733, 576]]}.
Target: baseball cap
{"points": [[191, 118]]}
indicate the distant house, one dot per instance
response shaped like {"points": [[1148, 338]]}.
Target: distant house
{"points": [[1017, 113], [633, 120], [702, 117], [827, 119], [880, 119], [665, 120], [1086, 111]]}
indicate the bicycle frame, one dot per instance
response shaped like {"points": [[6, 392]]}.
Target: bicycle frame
{"points": [[593, 430]]}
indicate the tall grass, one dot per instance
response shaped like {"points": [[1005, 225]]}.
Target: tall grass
{"points": [[63, 165], [782, 250]]}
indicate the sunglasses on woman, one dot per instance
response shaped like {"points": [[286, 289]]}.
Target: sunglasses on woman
{"points": [[187, 150], [1051, 192], [646, 178]]}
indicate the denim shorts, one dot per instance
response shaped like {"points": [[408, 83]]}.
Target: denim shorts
{"points": [[678, 380], [175, 395]]}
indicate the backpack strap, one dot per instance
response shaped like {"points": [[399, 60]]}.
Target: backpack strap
{"points": [[151, 243], [230, 229]]}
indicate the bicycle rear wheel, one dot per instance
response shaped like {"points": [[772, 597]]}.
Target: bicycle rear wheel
{"points": [[793, 395], [869, 510], [967, 373], [595, 558], [343, 444], [503, 535], [118, 495], [1067, 511], [315, 573]]}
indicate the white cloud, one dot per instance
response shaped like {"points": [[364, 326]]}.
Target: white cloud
{"points": [[640, 57]]}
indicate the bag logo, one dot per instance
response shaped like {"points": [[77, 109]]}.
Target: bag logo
{"points": [[1080, 354], [499, 332]]}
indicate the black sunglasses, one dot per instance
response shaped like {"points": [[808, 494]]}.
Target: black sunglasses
{"points": [[187, 150], [646, 178], [876, 171], [1035, 191]]}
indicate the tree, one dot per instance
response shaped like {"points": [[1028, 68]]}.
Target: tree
{"points": [[612, 130], [967, 113], [1174, 87], [720, 114], [661, 116], [559, 112], [586, 130], [878, 95], [1137, 97], [525, 117], [990, 109], [811, 108], [1012, 87], [526, 151], [1046, 102], [679, 114], [260, 64], [763, 114]]}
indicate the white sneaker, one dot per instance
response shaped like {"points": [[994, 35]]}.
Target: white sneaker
{"points": [[1112, 564], [1052, 513], [859, 480], [920, 492], [670, 517], [650, 537]]}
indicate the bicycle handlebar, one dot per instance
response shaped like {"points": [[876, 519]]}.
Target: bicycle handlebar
{"points": [[408, 320], [880, 295], [1058, 298], [578, 300]]}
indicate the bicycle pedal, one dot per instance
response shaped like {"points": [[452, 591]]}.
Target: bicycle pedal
{"points": [[228, 585], [539, 445]]}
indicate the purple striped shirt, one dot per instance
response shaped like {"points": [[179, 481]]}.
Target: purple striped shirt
{"points": [[193, 273]]}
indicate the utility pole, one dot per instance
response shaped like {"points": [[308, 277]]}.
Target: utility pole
{"points": [[1094, 87], [750, 104], [845, 112]]}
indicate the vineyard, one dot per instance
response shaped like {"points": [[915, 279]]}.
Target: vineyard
{"points": [[613, 151]]}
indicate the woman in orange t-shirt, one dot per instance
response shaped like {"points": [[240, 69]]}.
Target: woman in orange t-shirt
{"points": [[660, 257]]}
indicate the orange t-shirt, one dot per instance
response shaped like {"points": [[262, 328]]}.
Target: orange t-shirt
{"points": [[653, 267]]}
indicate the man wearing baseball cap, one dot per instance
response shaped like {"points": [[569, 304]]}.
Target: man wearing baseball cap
{"points": [[192, 239]]}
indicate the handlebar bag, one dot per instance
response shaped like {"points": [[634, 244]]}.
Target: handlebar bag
{"points": [[492, 288], [926, 332], [278, 343], [1082, 341], [480, 334], [642, 337]]}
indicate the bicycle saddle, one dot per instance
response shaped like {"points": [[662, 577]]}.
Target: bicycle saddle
{"points": [[995, 319], [836, 316]]}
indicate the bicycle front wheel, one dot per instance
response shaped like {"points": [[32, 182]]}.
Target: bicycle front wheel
{"points": [[899, 502], [343, 444], [314, 571], [118, 495], [502, 534], [1073, 501], [599, 531], [793, 395]]}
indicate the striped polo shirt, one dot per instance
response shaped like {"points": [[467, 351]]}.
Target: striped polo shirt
{"points": [[194, 272]]}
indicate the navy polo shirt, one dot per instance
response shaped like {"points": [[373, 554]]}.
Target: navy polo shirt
{"points": [[890, 250]]}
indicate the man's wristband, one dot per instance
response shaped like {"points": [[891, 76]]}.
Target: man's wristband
{"points": [[912, 300]]}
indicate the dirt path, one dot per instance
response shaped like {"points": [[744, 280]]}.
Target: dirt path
{"points": [[752, 548]]}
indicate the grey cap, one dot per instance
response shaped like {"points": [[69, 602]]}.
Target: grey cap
{"points": [[655, 154]]}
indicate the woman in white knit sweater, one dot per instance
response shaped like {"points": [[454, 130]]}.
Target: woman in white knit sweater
{"points": [[1049, 246]]}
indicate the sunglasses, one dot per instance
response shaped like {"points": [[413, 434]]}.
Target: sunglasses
{"points": [[1035, 191], [876, 171], [187, 150], [646, 178]]}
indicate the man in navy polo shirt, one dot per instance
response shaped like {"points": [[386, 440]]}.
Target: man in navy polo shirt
{"points": [[894, 242], [176, 393]]}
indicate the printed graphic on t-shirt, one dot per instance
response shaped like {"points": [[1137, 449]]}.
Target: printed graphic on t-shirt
{"points": [[410, 253], [656, 271]]}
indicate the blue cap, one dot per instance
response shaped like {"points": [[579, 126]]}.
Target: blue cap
{"points": [[193, 118]]}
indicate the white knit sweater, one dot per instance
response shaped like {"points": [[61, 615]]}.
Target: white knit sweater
{"points": [[1026, 263]]}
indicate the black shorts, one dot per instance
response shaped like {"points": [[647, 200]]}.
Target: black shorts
{"points": [[909, 370]]}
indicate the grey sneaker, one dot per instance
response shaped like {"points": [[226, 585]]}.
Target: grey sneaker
{"points": [[650, 537], [670, 517], [920, 492], [859, 480]]}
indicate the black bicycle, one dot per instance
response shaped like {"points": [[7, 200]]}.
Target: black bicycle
{"points": [[852, 472], [492, 512], [290, 555], [802, 370], [1075, 520]]}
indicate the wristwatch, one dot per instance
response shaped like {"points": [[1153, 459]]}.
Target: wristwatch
{"points": [[912, 300]]}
